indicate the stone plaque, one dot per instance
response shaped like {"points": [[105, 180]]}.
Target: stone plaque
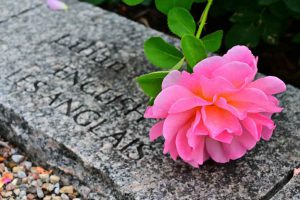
{"points": [[68, 97]]}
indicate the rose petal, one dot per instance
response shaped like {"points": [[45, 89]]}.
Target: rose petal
{"points": [[237, 73], [216, 151], [171, 79], [56, 5], [156, 130], [269, 85], [234, 150], [218, 120]]}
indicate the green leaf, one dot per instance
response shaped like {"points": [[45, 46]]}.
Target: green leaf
{"points": [[293, 5], [95, 2], [193, 49], [266, 2], [199, 1], [161, 53], [132, 2], [165, 6], [213, 41], [179, 64], [245, 15], [242, 34], [272, 28], [296, 38], [151, 83], [181, 22]]}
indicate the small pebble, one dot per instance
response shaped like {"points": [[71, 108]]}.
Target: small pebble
{"points": [[17, 169], [27, 164], [22, 193], [54, 179], [64, 197], [17, 158], [40, 192], [30, 196], [47, 198], [21, 174], [67, 189], [6, 194], [56, 198], [57, 188], [44, 178], [17, 191]]}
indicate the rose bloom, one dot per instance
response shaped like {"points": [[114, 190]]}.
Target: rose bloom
{"points": [[219, 111]]}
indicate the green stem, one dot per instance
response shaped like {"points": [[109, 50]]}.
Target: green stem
{"points": [[203, 18]]}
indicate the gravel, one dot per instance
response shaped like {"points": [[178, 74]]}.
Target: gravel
{"points": [[21, 180]]}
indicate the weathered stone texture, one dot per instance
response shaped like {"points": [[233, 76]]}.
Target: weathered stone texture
{"points": [[290, 191], [68, 97]]}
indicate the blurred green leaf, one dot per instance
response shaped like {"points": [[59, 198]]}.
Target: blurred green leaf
{"points": [[165, 6], [293, 5], [151, 83], [279, 10], [181, 22], [161, 53], [132, 2], [242, 34], [199, 1], [213, 41], [296, 38], [95, 2], [271, 28], [266, 2], [193, 49], [245, 15]]}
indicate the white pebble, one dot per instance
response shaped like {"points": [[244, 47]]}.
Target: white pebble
{"points": [[17, 158]]}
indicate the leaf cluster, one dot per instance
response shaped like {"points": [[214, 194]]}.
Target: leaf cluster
{"points": [[255, 21], [168, 57]]}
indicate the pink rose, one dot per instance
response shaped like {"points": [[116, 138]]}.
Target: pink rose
{"points": [[56, 5], [218, 111]]}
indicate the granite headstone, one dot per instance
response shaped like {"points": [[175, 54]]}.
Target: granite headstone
{"points": [[68, 98]]}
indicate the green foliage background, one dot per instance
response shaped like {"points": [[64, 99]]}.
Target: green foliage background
{"points": [[251, 21]]}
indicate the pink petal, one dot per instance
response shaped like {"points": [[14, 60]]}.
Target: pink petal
{"points": [[208, 65], [218, 120], [156, 130], [267, 132], [173, 123], [252, 100], [198, 154], [234, 150], [183, 148], [237, 73], [215, 86], [171, 79], [222, 103], [216, 151], [188, 103], [224, 137], [170, 146], [154, 113], [56, 5], [170, 95], [246, 139], [242, 54], [269, 85], [251, 127], [262, 120]]}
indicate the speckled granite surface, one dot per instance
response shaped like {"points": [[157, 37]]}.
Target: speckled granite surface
{"points": [[67, 96], [290, 191]]}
